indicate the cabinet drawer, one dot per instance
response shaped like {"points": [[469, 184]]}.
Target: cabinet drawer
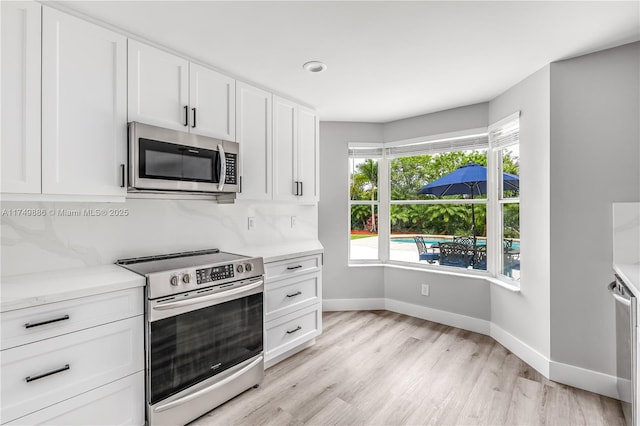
{"points": [[118, 403], [28, 325], [292, 330], [43, 373], [288, 295], [290, 267]]}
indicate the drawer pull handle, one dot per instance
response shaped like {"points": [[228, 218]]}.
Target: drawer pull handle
{"points": [[298, 328], [37, 324], [43, 375], [297, 293], [291, 268]]}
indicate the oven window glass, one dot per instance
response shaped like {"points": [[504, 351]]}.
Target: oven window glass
{"points": [[194, 346], [162, 160]]}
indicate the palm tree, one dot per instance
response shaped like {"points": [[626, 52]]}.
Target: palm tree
{"points": [[368, 172]]}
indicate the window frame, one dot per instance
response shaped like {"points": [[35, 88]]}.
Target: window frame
{"points": [[498, 143], [424, 145], [376, 151]]}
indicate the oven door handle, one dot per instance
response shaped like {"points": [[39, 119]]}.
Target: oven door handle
{"points": [[214, 296], [206, 390], [612, 289]]}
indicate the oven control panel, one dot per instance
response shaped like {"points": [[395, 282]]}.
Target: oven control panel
{"points": [[216, 273]]}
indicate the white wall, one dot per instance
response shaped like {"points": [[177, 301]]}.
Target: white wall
{"points": [[451, 120], [31, 244], [338, 280], [525, 315], [365, 282], [595, 160]]}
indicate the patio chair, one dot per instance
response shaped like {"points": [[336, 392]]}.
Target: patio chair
{"points": [[463, 240], [455, 254], [480, 258], [423, 251]]}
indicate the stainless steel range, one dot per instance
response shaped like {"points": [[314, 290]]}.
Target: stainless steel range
{"points": [[204, 331]]}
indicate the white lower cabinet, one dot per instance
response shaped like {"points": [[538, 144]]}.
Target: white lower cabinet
{"points": [[293, 305], [117, 403], [72, 372]]}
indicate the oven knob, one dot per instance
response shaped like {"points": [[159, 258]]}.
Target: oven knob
{"points": [[240, 269], [186, 278], [174, 280], [248, 267]]}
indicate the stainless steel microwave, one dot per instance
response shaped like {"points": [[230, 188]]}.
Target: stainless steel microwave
{"points": [[163, 160]]}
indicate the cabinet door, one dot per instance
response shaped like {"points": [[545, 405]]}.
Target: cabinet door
{"points": [[254, 136], [285, 139], [158, 87], [20, 97], [308, 155], [84, 104], [212, 99]]}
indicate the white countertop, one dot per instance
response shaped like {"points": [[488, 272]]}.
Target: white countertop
{"points": [[276, 252], [23, 291], [630, 274]]}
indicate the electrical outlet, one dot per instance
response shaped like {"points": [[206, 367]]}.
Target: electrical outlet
{"points": [[425, 289], [251, 222], [293, 221]]}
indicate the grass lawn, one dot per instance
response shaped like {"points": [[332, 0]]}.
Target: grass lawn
{"points": [[358, 236]]}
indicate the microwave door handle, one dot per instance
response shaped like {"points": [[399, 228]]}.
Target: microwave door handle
{"points": [[223, 167]]}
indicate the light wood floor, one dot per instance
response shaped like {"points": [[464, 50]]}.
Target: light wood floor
{"points": [[382, 368]]}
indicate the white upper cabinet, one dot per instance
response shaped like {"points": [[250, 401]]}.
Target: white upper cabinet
{"points": [[20, 97], [308, 155], [285, 139], [84, 104], [168, 91], [158, 87], [212, 99], [295, 165], [254, 136]]}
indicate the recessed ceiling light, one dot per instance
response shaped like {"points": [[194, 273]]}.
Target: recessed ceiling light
{"points": [[315, 66]]}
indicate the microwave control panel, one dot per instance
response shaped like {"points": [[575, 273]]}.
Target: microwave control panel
{"points": [[232, 169], [216, 273]]}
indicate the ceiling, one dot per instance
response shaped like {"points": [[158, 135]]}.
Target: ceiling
{"points": [[386, 60]]}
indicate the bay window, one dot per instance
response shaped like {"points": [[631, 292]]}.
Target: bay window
{"points": [[439, 202]]}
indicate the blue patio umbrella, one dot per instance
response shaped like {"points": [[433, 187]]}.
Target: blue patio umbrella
{"points": [[470, 179]]}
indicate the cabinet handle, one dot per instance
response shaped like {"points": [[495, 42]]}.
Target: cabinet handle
{"points": [[240, 184], [194, 117], [186, 115], [297, 293], [122, 177], [290, 268], [43, 375], [298, 328], [301, 188], [36, 324], [295, 187]]}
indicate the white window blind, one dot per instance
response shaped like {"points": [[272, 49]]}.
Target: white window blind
{"points": [[505, 132], [467, 143], [365, 151]]}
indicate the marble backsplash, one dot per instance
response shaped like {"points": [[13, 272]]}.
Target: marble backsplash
{"points": [[68, 235], [626, 233]]}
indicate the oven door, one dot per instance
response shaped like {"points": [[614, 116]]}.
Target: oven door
{"points": [[203, 349]]}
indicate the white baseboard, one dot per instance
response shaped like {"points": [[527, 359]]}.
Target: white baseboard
{"points": [[582, 378], [353, 304], [442, 317], [520, 349], [578, 377]]}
